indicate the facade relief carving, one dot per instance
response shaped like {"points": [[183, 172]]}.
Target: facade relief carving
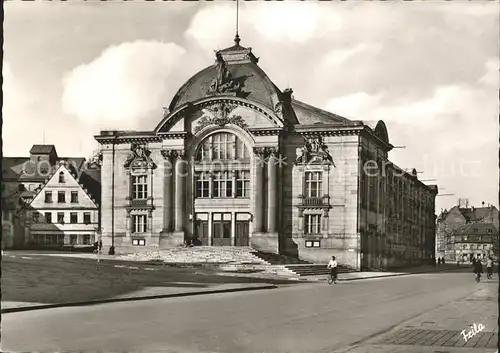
{"points": [[313, 151], [139, 158], [221, 116], [266, 152], [172, 155], [223, 82]]}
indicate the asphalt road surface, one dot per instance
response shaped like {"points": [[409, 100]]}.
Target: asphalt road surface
{"points": [[305, 318]]}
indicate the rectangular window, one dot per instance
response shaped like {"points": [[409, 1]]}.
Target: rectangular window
{"points": [[73, 240], [314, 182], [202, 184], [312, 224], [241, 150], [48, 196], [223, 184], [61, 196], [74, 196], [73, 217], [86, 218], [139, 187], [60, 239], [223, 146], [139, 223], [35, 217], [243, 183], [60, 217], [204, 151], [313, 244], [139, 242], [86, 239], [48, 217]]}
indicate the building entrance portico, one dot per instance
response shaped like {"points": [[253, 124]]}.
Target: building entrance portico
{"points": [[222, 228]]}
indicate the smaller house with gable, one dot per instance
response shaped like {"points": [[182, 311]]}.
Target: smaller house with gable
{"points": [[64, 211]]}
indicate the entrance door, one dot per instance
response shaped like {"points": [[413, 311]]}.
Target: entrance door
{"points": [[201, 229], [221, 229], [242, 233]]}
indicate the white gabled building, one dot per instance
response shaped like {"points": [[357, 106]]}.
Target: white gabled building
{"points": [[65, 210]]}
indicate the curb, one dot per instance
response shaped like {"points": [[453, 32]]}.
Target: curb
{"points": [[383, 276], [115, 300]]}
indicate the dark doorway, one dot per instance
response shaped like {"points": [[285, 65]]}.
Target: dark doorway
{"points": [[221, 229], [202, 232], [242, 233]]}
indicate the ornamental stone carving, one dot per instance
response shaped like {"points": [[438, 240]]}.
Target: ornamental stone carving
{"points": [[221, 116], [223, 82], [265, 152], [314, 150], [172, 155], [139, 158]]}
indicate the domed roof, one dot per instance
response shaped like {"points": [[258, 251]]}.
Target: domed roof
{"points": [[236, 73]]}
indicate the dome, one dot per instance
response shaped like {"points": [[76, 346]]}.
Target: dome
{"points": [[235, 73]]}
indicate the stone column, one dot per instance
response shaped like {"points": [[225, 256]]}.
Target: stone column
{"points": [[233, 181], [272, 194], [180, 192], [259, 161], [167, 190]]}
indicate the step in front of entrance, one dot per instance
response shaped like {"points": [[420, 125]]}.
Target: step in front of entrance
{"points": [[314, 270]]}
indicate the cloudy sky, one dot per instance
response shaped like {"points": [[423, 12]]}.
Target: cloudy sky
{"points": [[428, 69]]}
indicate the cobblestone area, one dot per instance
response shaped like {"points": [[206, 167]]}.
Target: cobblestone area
{"points": [[443, 338]]}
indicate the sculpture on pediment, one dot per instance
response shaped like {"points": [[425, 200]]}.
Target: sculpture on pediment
{"points": [[223, 81], [139, 157], [313, 151], [221, 116]]}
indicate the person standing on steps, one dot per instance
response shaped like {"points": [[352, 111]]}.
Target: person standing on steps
{"points": [[332, 265]]}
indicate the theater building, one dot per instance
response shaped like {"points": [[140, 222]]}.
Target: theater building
{"points": [[235, 161]]}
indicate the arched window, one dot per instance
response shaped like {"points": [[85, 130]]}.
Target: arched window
{"points": [[222, 146], [61, 177]]}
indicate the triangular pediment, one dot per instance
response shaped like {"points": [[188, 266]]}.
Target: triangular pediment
{"points": [[63, 180]]}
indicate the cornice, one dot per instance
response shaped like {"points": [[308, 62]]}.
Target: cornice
{"points": [[186, 108], [265, 131], [142, 139], [308, 131]]}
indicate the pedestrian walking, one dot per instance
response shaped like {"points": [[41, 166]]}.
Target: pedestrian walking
{"points": [[332, 265], [489, 267], [100, 245], [442, 261], [478, 269]]}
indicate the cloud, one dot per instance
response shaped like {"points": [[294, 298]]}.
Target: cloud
{"points": [[451, 135], [271, 22], [492, 75], [127, 85]]}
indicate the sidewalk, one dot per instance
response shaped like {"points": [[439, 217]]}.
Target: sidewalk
{"points": [[440, 330]]}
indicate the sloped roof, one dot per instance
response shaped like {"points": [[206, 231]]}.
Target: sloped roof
{"points": [[43, 149], [477, 214], [86, 182], [482, 229], [307, 115], [255, 85], [91, 180], [12, 167]]}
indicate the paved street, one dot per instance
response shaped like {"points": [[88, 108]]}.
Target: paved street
{"points": [[303, 318]]}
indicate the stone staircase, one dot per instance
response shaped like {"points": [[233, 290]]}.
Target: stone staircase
{"points": [[199, 255], [234, 259]]}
